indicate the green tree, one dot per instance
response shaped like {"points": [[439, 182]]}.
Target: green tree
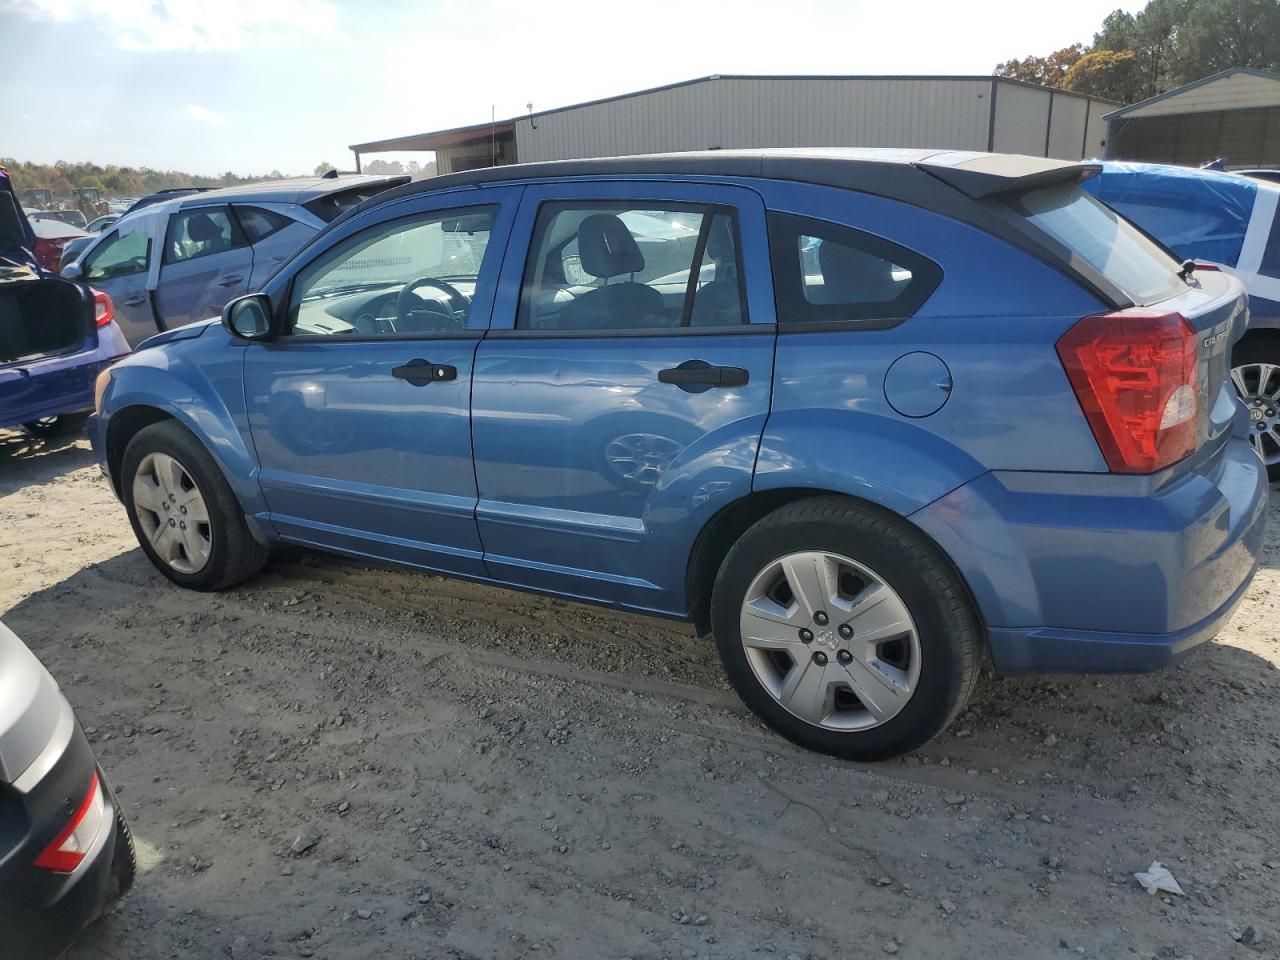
{"points": [[1151, 34], [1218, 34], [1110, 74]]}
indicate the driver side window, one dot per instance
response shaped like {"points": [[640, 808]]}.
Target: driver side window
{"points": [[412, 276]]}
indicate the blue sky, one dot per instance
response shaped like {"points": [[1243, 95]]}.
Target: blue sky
{"points": [[255, 85]]}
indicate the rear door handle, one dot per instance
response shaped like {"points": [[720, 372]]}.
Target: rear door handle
{"points": [[420, 372], [229, 281], [701, 373], [137, 300]]}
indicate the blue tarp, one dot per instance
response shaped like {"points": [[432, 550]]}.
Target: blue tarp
{"points": [[1199, 214]]}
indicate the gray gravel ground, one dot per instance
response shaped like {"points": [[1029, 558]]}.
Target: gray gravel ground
{"points": [[340, 760]]}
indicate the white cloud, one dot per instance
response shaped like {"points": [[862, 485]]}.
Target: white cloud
{"points": [[192, 24], [203, 114]]}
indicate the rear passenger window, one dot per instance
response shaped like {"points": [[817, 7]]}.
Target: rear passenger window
{"points": [[616, 266], [826, 273], [200, 232], [258, 224]]}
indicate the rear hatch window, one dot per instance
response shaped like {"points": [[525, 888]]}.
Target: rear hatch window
{"points": [[1130, 260], [40, 318], [333, 205]]}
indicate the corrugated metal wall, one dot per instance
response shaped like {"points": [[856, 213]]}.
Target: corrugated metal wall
{"points": [[727, 112], [1244, 137], [1235, 92]]}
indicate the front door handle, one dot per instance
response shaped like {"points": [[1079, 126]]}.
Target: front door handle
{"points": [[420, 372], [701, 373], [230, 281]]}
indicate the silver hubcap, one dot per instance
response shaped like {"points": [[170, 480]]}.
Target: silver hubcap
{"points": [[1258, 385], [172, 513], [831, 641]]}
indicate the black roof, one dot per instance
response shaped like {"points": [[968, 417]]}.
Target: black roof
{"points": [[927, 178]]}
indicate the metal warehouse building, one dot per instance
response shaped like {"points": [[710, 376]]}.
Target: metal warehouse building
{"points": [[961, 113], [1234, 114]]}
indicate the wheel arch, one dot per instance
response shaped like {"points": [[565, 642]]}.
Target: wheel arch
{"points": [[724, 528], [124, 425]]}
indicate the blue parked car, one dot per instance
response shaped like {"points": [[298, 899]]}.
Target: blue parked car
{"points": [[1228, 221], [180, 259], [867, 417], [55, 336]]}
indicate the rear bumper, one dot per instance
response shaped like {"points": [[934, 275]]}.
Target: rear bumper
{"points": [[41, 912], [1084, 573], [54, 388]]}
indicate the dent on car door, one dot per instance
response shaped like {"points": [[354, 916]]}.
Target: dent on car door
{"points": [[206, 262]]}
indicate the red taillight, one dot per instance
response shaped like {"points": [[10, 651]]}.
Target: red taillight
{"points": [[48, 253], [104, 311], [73, 843], [1134, 373], [1202, 266]]}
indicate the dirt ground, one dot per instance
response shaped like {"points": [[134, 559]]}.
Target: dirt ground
{"points": [[486, 774]]}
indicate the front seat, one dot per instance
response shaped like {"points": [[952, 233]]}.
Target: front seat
{"points": [[202, 229], [850, 275], [606, 250]]}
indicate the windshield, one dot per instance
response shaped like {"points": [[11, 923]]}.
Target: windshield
{"points": [[1105, 240]]}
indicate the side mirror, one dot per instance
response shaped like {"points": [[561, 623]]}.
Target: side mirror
{"points": [[72, 271], [11, 233], [248, 317]]}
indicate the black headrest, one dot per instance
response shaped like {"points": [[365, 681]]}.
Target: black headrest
{"points": [[850, 275], [201, 228], [720, 239], [606, 247]]}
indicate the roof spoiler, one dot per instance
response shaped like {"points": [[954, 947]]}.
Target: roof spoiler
{"points": [[991, 174]]}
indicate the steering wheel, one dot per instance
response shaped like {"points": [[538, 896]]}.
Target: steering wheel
{"points": [[456, 305]]}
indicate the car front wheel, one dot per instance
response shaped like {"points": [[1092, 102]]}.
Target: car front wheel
{"points": [[845, 629], [183, 511]]}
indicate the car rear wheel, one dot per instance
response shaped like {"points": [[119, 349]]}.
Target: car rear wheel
{"points": [[1255, 372], [845, 630], [183, 512], [57, 426], [124, 862]]}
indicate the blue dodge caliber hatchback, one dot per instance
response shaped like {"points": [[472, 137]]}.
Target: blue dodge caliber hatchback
{"points": [[867, 417]]}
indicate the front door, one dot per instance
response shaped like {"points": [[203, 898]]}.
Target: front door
{"points": [[119, 266], [619, 399], [207, 261], [360, 411]]}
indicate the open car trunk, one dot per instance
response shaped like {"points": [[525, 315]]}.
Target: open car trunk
{"points": [[42, 317]]}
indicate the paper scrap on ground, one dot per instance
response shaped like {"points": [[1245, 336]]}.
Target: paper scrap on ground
{"points": [[1157, 878]]}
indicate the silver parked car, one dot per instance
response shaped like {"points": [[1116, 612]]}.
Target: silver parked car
{"points": [[181, 260], [65, 848]]}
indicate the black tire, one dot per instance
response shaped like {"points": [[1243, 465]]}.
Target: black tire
{"points": [[1259, 349], [62, 425], [124, 862], [936, 598], [234, 555]]}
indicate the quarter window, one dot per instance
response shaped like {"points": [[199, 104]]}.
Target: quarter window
{"points": [[258, 224], [200, 232], [121, 255], [823, 272], [618, 266], [409, 276]]}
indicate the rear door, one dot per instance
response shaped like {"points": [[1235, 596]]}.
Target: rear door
{"points": [[274, 236], [206, 261], [618, 401]]}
